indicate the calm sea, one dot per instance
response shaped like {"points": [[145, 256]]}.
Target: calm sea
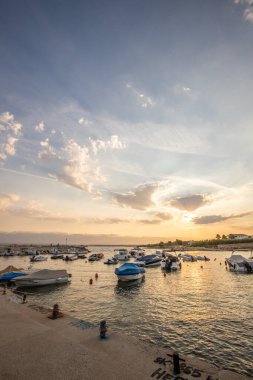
{"points": [[205, 312]]}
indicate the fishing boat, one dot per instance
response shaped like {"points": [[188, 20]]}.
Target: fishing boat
{"points": [[239, 263], [129, 272], [42, 277], [35, 259], [137, 251], [171, 263]]}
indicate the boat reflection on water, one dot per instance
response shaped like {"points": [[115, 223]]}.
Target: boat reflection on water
{"points": [[41, 290], [130, 287]]}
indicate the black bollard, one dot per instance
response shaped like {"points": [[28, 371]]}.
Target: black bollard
{"points": [[176, 365]]}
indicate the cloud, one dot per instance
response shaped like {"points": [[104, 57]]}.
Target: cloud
{"points": [[144, 100], [6, 200], [47, 151], [113, 143], [10, 131], [248, 12], [140, 198], [208, 219], [149, 221], [40, 127], [164, 216], [83, 121], [189, 203], [37, 211], [80, 170]]}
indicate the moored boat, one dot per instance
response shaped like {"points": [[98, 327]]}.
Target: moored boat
{"points": [[122, 254], [96, 257], [171, 263], [239, 263], [129, 272], [42, 277], [35, 259], [151, 260], [111, 261]]}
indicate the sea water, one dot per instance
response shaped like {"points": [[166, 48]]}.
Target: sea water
{"points": [[202, 310]]}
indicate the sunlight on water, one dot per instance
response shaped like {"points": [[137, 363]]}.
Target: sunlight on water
{"points": [[205, 312]]}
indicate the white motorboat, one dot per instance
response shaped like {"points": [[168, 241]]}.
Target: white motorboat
{"points": [[122, 254], [171, 263], [42, 277], [35, 259], [239, 263]]}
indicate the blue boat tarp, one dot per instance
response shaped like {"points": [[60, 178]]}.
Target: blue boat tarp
{"points": [[11, 275], [129, 269]]}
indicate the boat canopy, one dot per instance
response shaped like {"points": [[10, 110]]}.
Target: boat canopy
{"points": [[45, 274]]}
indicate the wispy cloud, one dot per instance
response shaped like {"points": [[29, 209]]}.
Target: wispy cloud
{"points": [[113, 143], [84, 121], [40, 127], [10, 131], [47, 151], [208, 219], [144, 100], [7, 200]]}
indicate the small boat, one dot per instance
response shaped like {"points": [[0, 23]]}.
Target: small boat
{"points": [[137, 251], [42, 277], [96, 257], [129, 272], [239, 263], [70, 257], [112, 261], [202, 258], [186, 257], [151, 260], [171, 263], [57, 256], [35, 259], [122, 254]]}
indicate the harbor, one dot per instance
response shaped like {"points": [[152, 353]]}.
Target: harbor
{"points": [[193, 310]]}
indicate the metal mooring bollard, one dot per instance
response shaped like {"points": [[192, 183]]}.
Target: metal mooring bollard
{"points": [[176, 364]]}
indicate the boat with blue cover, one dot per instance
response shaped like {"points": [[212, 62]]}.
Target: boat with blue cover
{"points": [[11, 275], [129, 272]]}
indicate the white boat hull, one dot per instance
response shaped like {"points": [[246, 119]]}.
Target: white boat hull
{"points": [[42, 282], [130, 277], [174, 266]]}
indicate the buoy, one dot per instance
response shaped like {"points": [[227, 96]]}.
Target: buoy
{"points": [[96, 276], [201, 267], [91, 281]]}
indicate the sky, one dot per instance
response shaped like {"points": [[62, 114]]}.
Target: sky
{"points": [[126, 120]]}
